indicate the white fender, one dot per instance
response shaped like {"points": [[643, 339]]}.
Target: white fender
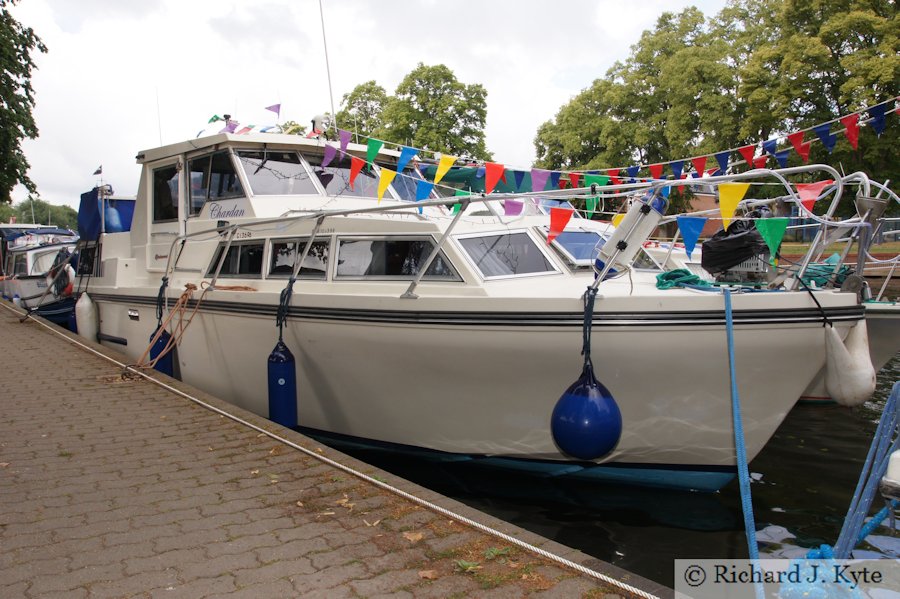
{"points": [[86, 317], [849, 374], [70, 286]]}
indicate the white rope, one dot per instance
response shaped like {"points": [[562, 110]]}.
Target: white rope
{"points": [[374, 481]]}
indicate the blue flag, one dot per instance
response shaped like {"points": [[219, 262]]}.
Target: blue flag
{"points": [[406, 155], [520, 176], [677, 167], [633, 171], [690, 227], [877, 122], [782, 157], [722, 159], [769, 146], [554, 179], [828, 139]]}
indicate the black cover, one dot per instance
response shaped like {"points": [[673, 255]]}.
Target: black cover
{"points": [[732, 246]]}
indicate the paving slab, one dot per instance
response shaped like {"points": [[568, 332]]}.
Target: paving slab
{"points": [[114, 486]]}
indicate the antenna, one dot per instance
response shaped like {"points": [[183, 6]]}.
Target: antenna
{"points": [[327, 67], [158, 116]]}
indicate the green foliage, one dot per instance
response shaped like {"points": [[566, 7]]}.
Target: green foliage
{"points": [[361, 109], [293, 128], [44, 213], [17, 43]]}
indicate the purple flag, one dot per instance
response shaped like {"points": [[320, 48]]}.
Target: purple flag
{"points": [[276, 108], [406, 155], [828, 139], [330, 151], [677, 167], [782, 157], [722, 159], [512, 207], [877, 122], [230, 126], [520, 176], [345, 139], [690, 227], [538, 179]]}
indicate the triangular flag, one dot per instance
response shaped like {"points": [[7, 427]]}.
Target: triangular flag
{"points": [[538, 179], [443, 168], [772, 231], [559, 218], [590, 206], [246, 130], [356, 165], [599, 180], [747, 152], [677, 167], [690, 227], [384, 180], [633, 171], [782, 157], [214, 118], [810, 192], [827, 138], [769, 146], [730, 195], [554, 179], [423, 189], [99, 170], [330, 152], [617, 218], [722, 159], [575, 180], [519, 176], [345, 139], [796, 140], [512, 207], [851, 122], [276, 108], [614, 176], [372, 150], [803, 150], [711, 172], [492, 173], [760, 161], [406, 154], [876, 113], [699, 164], [656, 171], [459, 192]]}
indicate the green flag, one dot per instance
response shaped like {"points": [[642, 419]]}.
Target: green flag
{"points": [[372, 150], [590, 205], [600, 180], [214, 118], [772, 231]]}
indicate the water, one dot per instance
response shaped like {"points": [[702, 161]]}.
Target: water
{"points": [[803, 482]]}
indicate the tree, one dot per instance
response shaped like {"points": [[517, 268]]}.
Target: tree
{"points": [[432, 109], [293, 128], [45, 214], [361, 109], [17, 43]]}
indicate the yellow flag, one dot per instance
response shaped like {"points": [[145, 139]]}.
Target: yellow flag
{"points": [[387, 176], [730, 195], [443, 166], [617, 218]]}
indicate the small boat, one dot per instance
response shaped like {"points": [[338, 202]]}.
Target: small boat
{"points": [[450, 324]]}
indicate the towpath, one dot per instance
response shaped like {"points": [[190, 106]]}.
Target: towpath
{"points": [[118, 487]]}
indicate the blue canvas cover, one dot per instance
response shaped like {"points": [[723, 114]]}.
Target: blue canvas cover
{"points": [[89, 216]]}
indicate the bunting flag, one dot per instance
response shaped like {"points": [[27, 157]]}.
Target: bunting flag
{"points": [[590, 206], [554, 179], [804, 151], [747, 152], [796, 140], [512, 207], [851, 124], [598, 180], [677, 167], [330, 152], [213, 119], [406, 154], [769, 146], [712, 172], [459, 192], [828, 139], [492, 173], [810, 192], [760, 161], [633, 171], [539, 179], [690, 227], [782, 157], [699, 164], [722, 159], [246, 130], [99, 170], [656, 170], [614, 176], [423, 190], [617, 218], [519, 176], [374, 145], [276, 108], [559, 218], [356, 165], [230, 126], [730, 195], [876, 113], [575, 180], [345, 139], [387, 175], [443, 168], [772, 231]]}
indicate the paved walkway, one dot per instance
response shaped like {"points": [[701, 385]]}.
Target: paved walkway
{"points": [[113, 487]]}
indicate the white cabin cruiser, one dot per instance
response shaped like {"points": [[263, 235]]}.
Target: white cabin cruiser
{"points": [[468, 357], [40, 277]]}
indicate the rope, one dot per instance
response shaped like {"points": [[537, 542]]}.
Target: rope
{"points": [[284, 306], [365, 477], [589, 297], [680, 277], [825, 321], [179, 309]]}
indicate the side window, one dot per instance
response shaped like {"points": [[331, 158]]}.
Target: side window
{"points": [[335, 178], [20, 267], [212, 178], [243, 260], [87, 257], [276, 173], [165, 193], [390, 258], [506, 254], [284, 253]]}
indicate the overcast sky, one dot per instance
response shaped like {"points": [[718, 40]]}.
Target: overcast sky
{"points": [[124, 75]]}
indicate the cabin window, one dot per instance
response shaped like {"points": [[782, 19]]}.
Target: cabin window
{"points": [[285, 252], [579, 248], [243, 260], [506, 254], [213, 178], [276, 173], [391, 258], [20, 265], [87, 257], [335, 178], [165, 193]]}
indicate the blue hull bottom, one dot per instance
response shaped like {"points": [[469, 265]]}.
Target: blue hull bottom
{"points": [[685, 478]]}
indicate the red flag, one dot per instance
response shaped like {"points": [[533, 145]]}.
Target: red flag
{"points": [[575, 180], [356, 165], [613, 176], [809, 192], [559, 218], [699, 163], [747, 152], [803, 150], [760, 161], [796, 140], [851, 122], [562, 183], [656, 171], [492, 173]]}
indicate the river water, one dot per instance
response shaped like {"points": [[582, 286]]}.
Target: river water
{"points": [[803, 481]]}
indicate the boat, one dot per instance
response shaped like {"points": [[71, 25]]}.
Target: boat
{"points": [[449, 325], [40, 277]]}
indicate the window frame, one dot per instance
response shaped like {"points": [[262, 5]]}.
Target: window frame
{"points": [[304, 163], [524, 231], [175, 165], [209, 155], [455, 278], [211, 269], [300, 239]]}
